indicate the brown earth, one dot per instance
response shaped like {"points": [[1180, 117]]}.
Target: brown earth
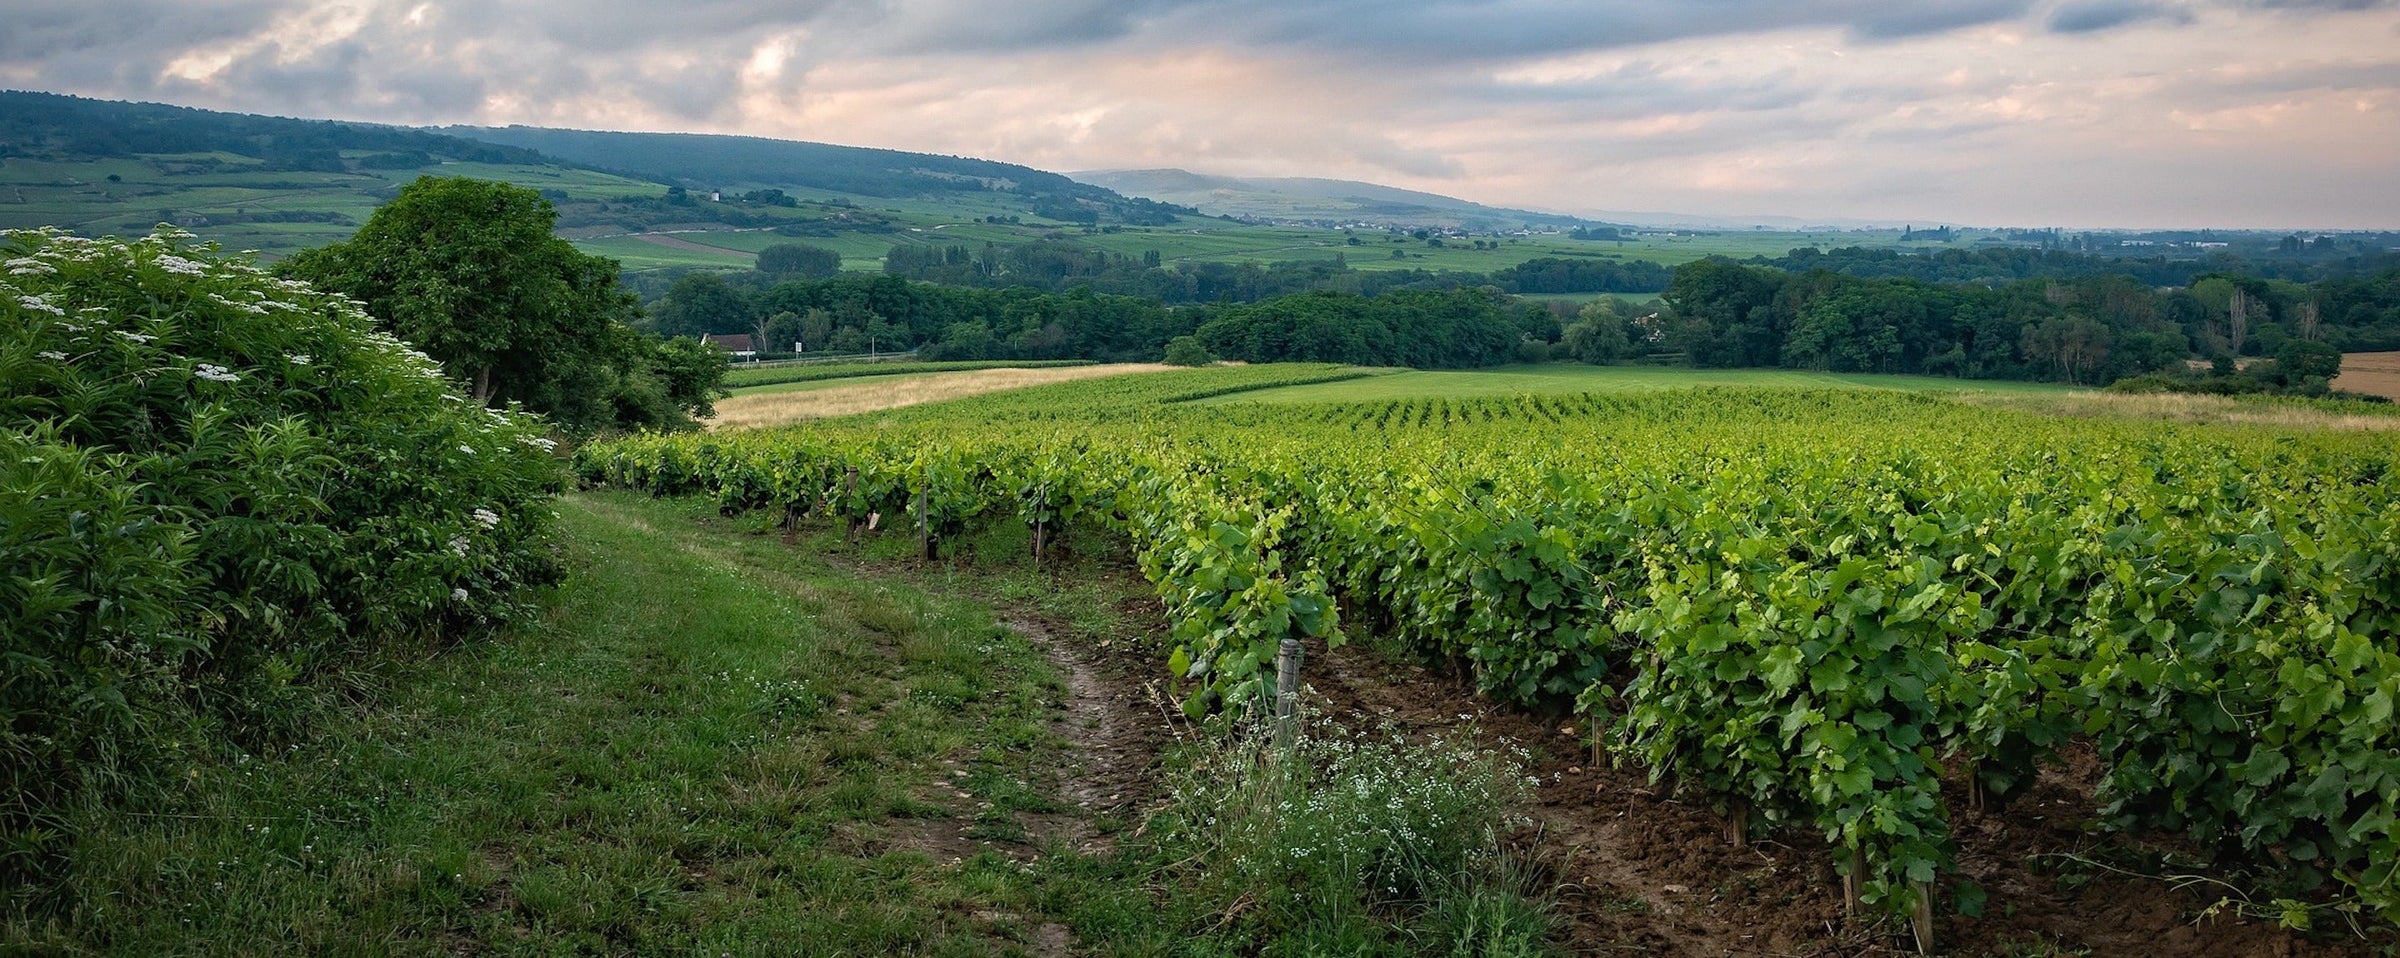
{"points": [[2376, 374]]}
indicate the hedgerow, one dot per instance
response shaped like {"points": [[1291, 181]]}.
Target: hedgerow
{"points": [[219, 491]]}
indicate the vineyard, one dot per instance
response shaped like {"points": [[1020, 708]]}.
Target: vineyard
{"points": [[1850, 612]]}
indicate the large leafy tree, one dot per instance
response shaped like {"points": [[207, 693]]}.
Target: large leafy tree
{"points": [[469, 271]]}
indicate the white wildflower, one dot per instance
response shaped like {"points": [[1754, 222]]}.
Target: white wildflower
{"points": [[215, 373], [489, 518], [458, 545], [458, 595], [469, 450], [29, 266], [52, 355], [40, 305], [303, 359], [135, 337], [177, 264]]}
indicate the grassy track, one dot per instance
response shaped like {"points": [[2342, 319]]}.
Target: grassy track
{"points": [[712, 745], [1562, 378]]}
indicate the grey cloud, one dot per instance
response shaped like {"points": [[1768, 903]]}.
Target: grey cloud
{"points": [[2091, 16], [49, 29]]}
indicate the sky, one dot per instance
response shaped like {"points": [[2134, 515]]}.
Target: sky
{"points": [[2074, 113]]}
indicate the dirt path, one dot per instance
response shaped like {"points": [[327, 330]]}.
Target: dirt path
{"points": [[1116, 731]]}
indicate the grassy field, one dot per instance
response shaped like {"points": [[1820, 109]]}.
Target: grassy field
{"points": [[1564, 378], [220, 196], [713, 744], [719, 743]]}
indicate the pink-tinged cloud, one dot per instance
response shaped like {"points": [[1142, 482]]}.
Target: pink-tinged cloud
{"points": [[2271, 113]]}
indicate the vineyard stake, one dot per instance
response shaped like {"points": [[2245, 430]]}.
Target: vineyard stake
{"points": [[1855, 882], [849, 495], [924, 525], [1920, 918], [1737, 822], [1287, 694]]}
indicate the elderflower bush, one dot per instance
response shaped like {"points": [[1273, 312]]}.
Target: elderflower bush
{"points": [[215, 486]]}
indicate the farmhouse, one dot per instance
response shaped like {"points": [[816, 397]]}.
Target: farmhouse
{"points": [[738, 344]]}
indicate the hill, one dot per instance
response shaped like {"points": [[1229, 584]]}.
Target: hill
{"points": [[717, 162], [1320, 201]]}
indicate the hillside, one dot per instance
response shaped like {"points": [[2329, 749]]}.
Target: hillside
{"points": [[713, 162], [1319, 201]]}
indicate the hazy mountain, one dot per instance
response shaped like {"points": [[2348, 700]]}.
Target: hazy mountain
{"points": [[1312, 200]]}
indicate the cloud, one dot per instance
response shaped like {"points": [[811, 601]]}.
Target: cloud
{"points": [[2023, 111], [2091, 16]]}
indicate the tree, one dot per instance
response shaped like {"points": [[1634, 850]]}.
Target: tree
{"points": [[468, 271], [784, 261], [1187, 351], [701, 303], [1598, 334]]}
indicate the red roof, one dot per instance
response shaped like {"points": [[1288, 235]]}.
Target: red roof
{"points": [[735, 343]]}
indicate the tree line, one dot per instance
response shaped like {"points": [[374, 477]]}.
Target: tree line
{"points": [[2090, 330]]}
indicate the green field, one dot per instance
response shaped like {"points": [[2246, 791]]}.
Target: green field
{"points": [[1561, 378], [219, 196]]}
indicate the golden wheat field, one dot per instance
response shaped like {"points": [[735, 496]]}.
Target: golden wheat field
{"points": [[2376, 374], [758, 409]]}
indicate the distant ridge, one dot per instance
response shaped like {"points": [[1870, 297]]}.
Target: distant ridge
{"points": [[706, 160], [1319, 201]]}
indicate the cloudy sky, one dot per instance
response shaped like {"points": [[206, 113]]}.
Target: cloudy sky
{"points": [[2262, 113]]}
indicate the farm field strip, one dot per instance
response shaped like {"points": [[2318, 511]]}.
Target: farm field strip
{"points": [[1576, 378], [1810, 605]]}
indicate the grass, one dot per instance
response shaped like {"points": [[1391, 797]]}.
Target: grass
{"points": [[711, 745], [781, 405], [718, 743], [1570, 378]]}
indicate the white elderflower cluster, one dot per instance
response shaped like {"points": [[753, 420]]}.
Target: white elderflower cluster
{"points": [[216, 374]]}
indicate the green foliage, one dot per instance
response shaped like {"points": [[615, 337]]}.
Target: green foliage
{"points": [[1813, 605], [469, 271], [798, 261], [1187, 351], [215, 488]]}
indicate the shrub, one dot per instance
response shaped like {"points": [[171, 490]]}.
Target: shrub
{"points": [[1357, 835], [218, 489]]}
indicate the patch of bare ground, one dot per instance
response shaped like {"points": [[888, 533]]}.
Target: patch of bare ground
{"points": [[2376, 374], [761, 409], [1115, 730], [1638, 869]]}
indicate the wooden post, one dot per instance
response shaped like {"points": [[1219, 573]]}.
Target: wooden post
{"points": [[1737, 822], [1599, 735], [1287, 694], [1041, 504], [924, 525], [849, 493], [1854, 884], [1920, 918]]}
